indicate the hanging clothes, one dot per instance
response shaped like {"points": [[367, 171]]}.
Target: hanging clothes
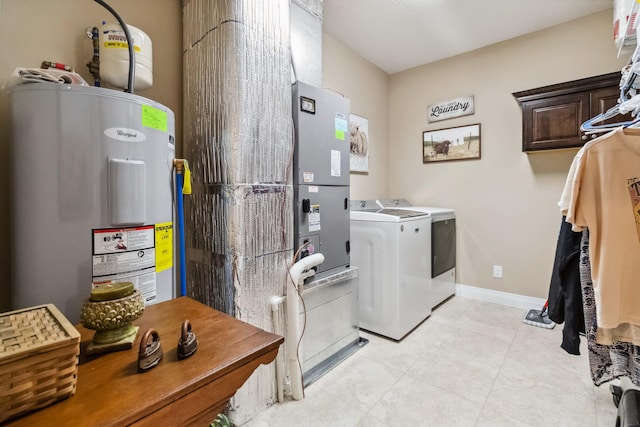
{"points": [[606, 362], [565, 295], [605, 197]]}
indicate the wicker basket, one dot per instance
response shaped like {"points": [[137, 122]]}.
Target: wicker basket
{"points": [[38, 359]]}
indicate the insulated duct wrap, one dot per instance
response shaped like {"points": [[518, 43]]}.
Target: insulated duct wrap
{"points": [[306, 41], [238, 140], [230, 223]]}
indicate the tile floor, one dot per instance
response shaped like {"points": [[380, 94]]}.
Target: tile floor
{"points": [[472, 363]]}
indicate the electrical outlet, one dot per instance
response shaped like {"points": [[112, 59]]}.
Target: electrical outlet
{"points": [[497, 271]]}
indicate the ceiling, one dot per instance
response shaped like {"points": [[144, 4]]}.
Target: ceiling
{"points": [[396, 35]]}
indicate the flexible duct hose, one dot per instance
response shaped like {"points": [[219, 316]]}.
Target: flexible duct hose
{"points": [[297, 273]]}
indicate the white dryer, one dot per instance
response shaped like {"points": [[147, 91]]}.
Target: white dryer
{"points": [[443, 246], [389, 246]]}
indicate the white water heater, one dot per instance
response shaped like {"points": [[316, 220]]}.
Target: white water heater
{"points": [[91, 194]]}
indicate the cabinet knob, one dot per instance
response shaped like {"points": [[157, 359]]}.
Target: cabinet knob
{"points": [[584, 137]]}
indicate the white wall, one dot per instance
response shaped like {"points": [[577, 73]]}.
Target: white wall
{"points": [[506, 201], [367, 87]]}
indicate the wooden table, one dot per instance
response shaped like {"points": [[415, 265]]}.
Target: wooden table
{"points": [[110, 391]]}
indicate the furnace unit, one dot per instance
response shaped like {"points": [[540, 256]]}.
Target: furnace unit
{"points": [[321, 176], [321, 224]]}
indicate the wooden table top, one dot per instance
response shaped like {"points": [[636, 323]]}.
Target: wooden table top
{"points": [[109, 386]]}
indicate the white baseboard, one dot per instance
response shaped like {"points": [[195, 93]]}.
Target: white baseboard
{"points": [[499, 297]]}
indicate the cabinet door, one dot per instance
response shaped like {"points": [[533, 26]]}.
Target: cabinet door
{"points": [[605, 98], [554, 122], [601, 101]]}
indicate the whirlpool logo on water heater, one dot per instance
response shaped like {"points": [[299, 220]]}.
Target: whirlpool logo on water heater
{"points": [[125, 134]]}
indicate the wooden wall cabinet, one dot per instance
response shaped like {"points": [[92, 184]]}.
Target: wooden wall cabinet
{"points": [[552, 115]]}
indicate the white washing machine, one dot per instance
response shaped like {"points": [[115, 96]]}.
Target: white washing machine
{"points": [[443, 247], [389, 246]]}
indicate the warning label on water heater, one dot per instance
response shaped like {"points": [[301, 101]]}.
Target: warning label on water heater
{"points": [[164, 246], [126, 254]]}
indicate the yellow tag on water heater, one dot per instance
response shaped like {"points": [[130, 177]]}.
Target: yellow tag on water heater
{"points": [[186, 183]]}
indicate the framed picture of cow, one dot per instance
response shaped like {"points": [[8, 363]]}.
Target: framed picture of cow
{"points": [[455, 143], [359, 143]]}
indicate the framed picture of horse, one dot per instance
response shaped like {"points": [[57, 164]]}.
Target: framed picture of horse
{"points": [[455, 143], [359, 144]]}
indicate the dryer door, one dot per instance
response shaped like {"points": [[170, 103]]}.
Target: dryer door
{"points": [[443, 246]]}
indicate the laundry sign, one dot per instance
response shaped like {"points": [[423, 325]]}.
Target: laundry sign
{"points": [[449, 109]]}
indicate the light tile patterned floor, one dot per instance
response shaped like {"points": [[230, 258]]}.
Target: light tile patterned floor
{"points": [[472, 363]]}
